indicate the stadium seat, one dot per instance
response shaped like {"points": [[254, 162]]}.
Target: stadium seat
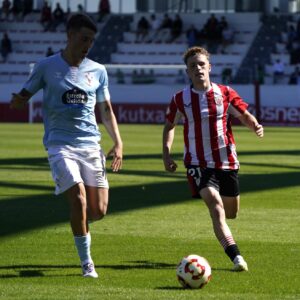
{"points": [[129, 52]]}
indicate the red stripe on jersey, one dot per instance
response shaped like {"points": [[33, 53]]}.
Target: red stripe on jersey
{"points": [[171, 111], [198, 129], [179, 101], [212, 111]]}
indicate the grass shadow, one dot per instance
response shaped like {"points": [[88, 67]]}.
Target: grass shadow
{"points": [[141, 264], [30, 271], [40, 270], [28, 163], [23, 213], [172, 288]]}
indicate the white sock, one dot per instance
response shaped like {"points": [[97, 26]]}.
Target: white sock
{"points": [[83, 245]]}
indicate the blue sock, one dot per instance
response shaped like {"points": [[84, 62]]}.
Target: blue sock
{"points": [[83, 245]]}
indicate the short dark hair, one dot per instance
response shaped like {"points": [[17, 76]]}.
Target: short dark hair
{"points": [[193, 51], [79, 20]]}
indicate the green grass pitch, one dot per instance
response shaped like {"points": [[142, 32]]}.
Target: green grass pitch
{"points": [[151, 224]]}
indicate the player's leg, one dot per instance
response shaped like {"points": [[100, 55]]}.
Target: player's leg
{"points": [[95, 208], [97, 202], [76, 197], [96, 184], [215, 205], [207, 183], [92, 171], [229, 191], [66, 174], [231, 206]]}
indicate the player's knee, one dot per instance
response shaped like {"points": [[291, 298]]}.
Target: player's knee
{"points": [[217, 212], [96, 217], [99, 213], [77, 199], [79, 204], [231, 215]]}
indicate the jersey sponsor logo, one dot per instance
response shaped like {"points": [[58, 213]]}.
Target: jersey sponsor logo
{"points": [[75, 97]]}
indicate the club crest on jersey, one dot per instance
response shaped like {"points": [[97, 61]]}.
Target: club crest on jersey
{"points": [[89, 78], [218, 99]]}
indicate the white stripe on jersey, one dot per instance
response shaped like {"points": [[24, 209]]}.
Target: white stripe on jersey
{"points": [[220, 129], [187, 103]]}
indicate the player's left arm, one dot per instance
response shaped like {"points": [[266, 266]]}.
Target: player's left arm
{"points": [[251, 122], [110, 123]]}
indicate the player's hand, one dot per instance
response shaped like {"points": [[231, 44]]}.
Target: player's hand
{"points": [[170, 165], [259, 130], [117, 153], [18, 101]]}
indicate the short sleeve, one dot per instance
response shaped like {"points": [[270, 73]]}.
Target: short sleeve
{"points": [[171, 113], [237, 105], [102, 93], [35, 81]]}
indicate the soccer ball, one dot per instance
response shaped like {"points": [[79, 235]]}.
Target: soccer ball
{"points": [[193, 272]]}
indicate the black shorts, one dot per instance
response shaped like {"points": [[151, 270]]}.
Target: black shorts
{"points": [[224, 181]]}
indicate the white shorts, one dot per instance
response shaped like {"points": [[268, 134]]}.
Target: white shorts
{"points": [[71, 165]]}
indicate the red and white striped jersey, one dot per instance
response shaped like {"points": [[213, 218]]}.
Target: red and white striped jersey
{"points": [[208, 137]]}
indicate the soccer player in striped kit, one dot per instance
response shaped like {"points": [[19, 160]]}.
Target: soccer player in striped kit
{"points": [[209, 148], [72, 84]]}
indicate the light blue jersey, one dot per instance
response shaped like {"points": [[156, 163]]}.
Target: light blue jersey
{"points": [[70, 95]]}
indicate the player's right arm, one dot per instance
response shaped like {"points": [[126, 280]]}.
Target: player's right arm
{"points": [[168, 138], [172, 117], [19, 100]]}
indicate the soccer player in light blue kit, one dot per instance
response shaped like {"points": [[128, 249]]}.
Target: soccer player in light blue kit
{"points": [[72, 84]]}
